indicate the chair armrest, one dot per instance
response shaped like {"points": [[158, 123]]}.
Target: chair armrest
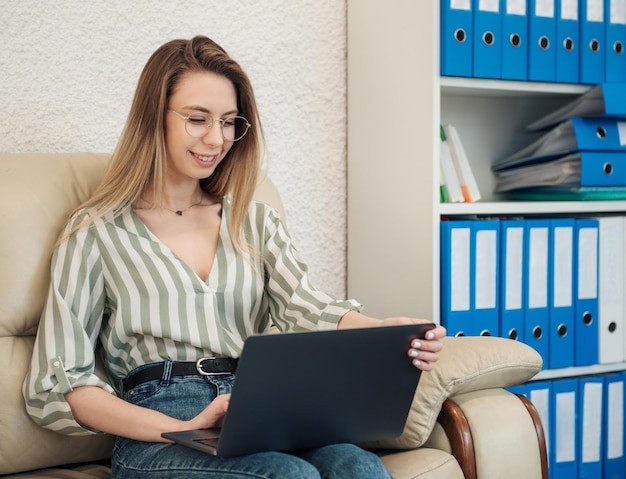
{"points": [[493, 433]]}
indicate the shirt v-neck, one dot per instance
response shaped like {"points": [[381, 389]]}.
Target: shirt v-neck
{"points": [[142, 230]]}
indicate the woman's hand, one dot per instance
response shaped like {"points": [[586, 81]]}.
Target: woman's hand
{"points": [[425, 352], [213, 414]]}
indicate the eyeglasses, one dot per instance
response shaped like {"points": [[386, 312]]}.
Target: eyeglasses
{"points": [[198, 125]]}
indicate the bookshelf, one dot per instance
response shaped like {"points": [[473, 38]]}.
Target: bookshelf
{"points": [[396, 101]]}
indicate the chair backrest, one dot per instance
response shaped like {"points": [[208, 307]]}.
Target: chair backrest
{"points": [[37, 193]]}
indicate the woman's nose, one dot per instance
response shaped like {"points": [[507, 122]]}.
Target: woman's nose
{"points": [[214, 135]]}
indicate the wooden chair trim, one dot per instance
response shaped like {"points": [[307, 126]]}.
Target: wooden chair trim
{"points": [[541, 437], [456, 427]]}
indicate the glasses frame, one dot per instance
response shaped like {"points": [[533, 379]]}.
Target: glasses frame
{"points": [[211, 123]]}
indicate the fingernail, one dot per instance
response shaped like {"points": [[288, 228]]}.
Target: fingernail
{"points": [[416, 362], [430, 335], [416, 344], [413, 353]]}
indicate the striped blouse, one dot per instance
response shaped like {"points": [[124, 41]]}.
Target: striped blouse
{"points": [[117, 291]]}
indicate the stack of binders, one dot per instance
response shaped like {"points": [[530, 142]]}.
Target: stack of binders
{"points": [[581, 156], [583, 420], [567, 41], [557, 284]]}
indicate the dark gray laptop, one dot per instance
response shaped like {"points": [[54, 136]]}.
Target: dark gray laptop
{"points": [[310, 389]]}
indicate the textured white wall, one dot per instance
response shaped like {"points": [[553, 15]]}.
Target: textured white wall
{"points": [[68, 71]]}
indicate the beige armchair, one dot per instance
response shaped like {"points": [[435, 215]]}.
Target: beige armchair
{"points": [[463, 424]]}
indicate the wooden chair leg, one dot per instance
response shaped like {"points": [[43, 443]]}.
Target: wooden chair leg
{"points": [[457, 429]]}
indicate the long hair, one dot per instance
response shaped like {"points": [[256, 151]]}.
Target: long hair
{"points": [[139, 161]]}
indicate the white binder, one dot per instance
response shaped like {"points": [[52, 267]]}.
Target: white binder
{"points": [[611, 304]]}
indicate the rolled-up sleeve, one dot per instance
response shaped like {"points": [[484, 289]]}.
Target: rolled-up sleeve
{"points": [[295, 304], [64, 351]]}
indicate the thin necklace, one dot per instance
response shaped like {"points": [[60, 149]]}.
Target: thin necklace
{"points": [[180, 212]]}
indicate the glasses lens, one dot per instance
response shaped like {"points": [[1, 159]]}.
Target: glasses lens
{"points": [[234, 128], [198, 126]]}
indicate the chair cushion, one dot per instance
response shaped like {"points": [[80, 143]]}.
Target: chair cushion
{"points": [[37, 192], [465, 364]]}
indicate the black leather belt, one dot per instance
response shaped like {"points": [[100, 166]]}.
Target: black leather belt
{"points": [[204, 367]]}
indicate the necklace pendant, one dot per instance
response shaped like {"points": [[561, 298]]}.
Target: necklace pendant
{"points": [[179, 213]]}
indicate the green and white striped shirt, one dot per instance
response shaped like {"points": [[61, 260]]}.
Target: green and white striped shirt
{"points": [[116, 282]]}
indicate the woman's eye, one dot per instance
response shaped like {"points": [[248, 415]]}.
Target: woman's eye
{"points": [[229, 122], [197, 120]]}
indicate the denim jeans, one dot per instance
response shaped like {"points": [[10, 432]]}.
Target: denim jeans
{"points": [[183, 398]]}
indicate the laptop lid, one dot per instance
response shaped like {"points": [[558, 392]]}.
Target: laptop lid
{"points": [[310, 389]]}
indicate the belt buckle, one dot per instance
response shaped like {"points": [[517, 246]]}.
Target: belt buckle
{"points": [[202, 372]]}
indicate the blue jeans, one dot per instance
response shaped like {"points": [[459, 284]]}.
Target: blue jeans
{"points": [[184, 398]]}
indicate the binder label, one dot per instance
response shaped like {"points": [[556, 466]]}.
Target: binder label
{"points": [[569, 9], [538, 273], [516, 7], [489, 6], [486, 264], [460, 269], [587, 263], [514, 265], [621, 131], [565, 427], [617, 14], [591, 422], [615, 443], [461, 4], [563, 274], [544, 8], [595, 11]]}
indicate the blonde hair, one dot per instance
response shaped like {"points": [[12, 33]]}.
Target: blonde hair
{"points": [[139, 160]]}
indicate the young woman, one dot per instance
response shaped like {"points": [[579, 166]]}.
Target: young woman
{"points": [[171, 261]]}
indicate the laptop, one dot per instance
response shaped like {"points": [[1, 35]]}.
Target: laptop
{"points": [[310, 389]]}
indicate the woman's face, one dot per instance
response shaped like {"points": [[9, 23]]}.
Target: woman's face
{"points": [[201, 96]]}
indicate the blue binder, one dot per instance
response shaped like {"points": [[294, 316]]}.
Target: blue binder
{"points": [[567, 41], [485, 257], [456, 273], [600, 134], [541, 40], [536, 312], [602, 168], [512, 282], [592, 38], [590, 403], [614, 466], [561, 301], [586, 292], [487, 42], [563, 458], [515, 40], [611, 283], [615, 51], [456, 38], [573, 135]]}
